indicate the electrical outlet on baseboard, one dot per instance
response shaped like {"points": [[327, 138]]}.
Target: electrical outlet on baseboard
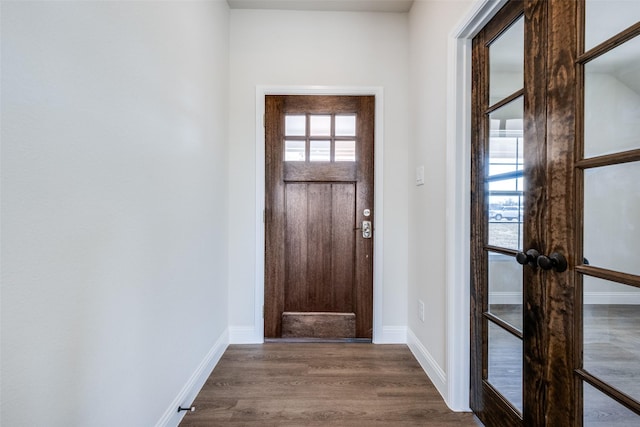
{"points": [[421, 310]]}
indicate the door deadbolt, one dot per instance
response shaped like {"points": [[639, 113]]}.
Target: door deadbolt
{"points": [[367, 230]]}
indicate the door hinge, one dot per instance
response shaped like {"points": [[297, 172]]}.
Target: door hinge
{"points": [[264, 216], [264, 120], [263, 311]]}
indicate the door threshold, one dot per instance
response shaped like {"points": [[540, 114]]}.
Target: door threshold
{"points": [[318, 340]]}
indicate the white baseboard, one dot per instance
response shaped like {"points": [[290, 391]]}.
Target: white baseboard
{"points": [[245, 335], [435, 373], [612, 298], [391, 335], [187, 395], [506, 298], [249, 335]]}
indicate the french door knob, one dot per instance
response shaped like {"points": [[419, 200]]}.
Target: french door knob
{"points": [[529, 258], [554, 261]]}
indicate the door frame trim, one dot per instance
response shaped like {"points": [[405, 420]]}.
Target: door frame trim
{"points": [[458, 201], [379, 335]]}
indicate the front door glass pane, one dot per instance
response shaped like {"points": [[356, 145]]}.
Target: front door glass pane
{"points": [[611, 314], [505, 364], [345, 151], [294, 151], [612, 101], [295, 125], [345, 125], [612, 217], [506, 58], [320, 151], [320, 125]]}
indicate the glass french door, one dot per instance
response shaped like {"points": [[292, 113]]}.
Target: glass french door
{"points": [[556, 215], [499, 199], [607, 169]]}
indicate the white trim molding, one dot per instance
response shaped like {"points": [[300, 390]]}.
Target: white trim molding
{"points": [[245, 335], [429, 365], [378, 92], [392, 335], [187, 395], [458, 200]]}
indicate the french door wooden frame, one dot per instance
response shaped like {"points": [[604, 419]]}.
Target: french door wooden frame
{"points": [[547, 333], [581, 164], [552, 332], [488, 404]]}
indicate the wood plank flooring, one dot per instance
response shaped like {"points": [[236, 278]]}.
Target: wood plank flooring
{"points": [[321, 384]]}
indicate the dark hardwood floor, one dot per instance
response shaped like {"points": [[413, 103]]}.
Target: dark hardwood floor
{"points": [[321, 384]]}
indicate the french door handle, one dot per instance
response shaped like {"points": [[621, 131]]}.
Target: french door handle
{"points": [[529, 258], [554, 261]]}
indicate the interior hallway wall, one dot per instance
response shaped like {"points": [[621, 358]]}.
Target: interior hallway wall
{"points": [[302, 48], [430, 23], [114, 194]]}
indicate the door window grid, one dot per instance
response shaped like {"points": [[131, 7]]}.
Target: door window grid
{"points": [[320, 138], [609, 143], [503, 204], [499, 172]]}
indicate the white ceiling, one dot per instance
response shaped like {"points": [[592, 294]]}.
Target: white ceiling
{"points": [[398, 6]]}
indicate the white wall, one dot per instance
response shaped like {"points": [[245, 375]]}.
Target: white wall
{"points": [[430, 23], [114, 226], [296, 48]]}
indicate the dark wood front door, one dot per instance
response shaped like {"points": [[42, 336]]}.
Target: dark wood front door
{"points": [[319, 216], [555, 209]]}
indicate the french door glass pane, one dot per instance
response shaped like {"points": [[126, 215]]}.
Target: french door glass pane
{"points": [[611, 212], [505, 364], [612, 334], [505, 182], [606, 18], [505, 222], [506, 56], [612, 100], [612, 217], [602, 411], [505, 288]]}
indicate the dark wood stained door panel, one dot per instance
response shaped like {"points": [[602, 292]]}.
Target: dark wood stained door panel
{"points": [[322, 243], [317, 260]]}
